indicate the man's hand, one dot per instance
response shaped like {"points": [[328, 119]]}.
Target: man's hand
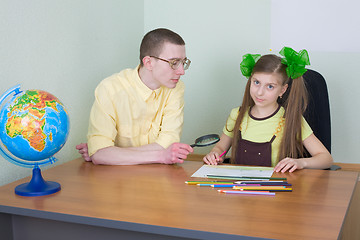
{"points": [[83, 150], [176, 152]]}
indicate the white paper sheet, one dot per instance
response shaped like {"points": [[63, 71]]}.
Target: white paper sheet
{"points": [[236, 171]]}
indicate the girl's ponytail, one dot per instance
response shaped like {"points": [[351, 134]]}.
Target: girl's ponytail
{"points": [[295, 105]]}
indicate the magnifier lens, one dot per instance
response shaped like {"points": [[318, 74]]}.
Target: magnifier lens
{"points": [[206, 140]]}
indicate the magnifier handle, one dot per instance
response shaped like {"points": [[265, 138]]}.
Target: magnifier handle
{"points": [[193, 145]]}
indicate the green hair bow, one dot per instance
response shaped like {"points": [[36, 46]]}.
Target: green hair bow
{"points": [[248, 63], [295, 62]]}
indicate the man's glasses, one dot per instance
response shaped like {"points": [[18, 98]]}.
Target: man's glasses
{"points": [[175, 63]]}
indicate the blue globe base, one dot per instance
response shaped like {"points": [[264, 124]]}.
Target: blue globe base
{"points": [[37, 186]]}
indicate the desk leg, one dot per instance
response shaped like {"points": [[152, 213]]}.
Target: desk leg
{"points": [[6, 227], [351, 228]]}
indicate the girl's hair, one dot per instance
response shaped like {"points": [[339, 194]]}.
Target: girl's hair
{"points": [[294, 102]]}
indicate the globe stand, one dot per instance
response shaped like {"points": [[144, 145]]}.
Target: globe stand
{"points": [[37, 186]]}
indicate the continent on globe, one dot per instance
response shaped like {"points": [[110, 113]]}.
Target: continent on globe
{"points": [[29, 128], [31, 124]]}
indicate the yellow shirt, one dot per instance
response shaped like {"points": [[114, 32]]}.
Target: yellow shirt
{"points": [[262, 130], [126, 113]]}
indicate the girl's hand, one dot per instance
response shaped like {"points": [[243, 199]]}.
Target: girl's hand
{"points": [[290, 164], [212, 158]]}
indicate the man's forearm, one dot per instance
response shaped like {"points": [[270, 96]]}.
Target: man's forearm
{"points": [[148, 147], [129, 156]]}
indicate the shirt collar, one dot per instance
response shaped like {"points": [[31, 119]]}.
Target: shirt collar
{"points": [[144, 90], [270, 116]]}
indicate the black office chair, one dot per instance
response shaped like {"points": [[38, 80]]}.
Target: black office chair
{"points": [[317, 113]]}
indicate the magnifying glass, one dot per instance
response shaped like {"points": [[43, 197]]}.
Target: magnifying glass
{"points": [[206, 140]]}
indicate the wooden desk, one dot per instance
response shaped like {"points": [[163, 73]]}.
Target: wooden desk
{"points": [[351, 226], [153, 202]]}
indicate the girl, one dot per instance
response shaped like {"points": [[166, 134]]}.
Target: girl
{"points": [[266, 131]]}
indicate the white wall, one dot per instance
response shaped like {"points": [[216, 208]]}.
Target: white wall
{"points": [[66, 47], [218, 33]]}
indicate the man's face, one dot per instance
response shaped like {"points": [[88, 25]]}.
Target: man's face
{"points": [[163, 74]]}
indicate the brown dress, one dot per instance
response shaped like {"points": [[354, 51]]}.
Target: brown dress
{"points": [[253, 153]]}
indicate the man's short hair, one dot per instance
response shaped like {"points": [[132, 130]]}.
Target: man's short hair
{"points": [[153, 42]]}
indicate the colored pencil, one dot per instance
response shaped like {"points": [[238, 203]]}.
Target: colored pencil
{"points": [[264, 189], [282, 190], [270, 190], [266, 183], [247, 192], [243, 177], [207, 182], [259, 188], [222, 154], [233, 185], [260, 181], [223, 184]]}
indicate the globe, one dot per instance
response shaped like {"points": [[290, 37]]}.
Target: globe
{"points": [[34, 125]]}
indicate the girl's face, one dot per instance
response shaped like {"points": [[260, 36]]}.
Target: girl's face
{"points": [[265, 88]]}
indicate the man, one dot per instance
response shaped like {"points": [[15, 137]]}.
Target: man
{"points": [[137, 115]]}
